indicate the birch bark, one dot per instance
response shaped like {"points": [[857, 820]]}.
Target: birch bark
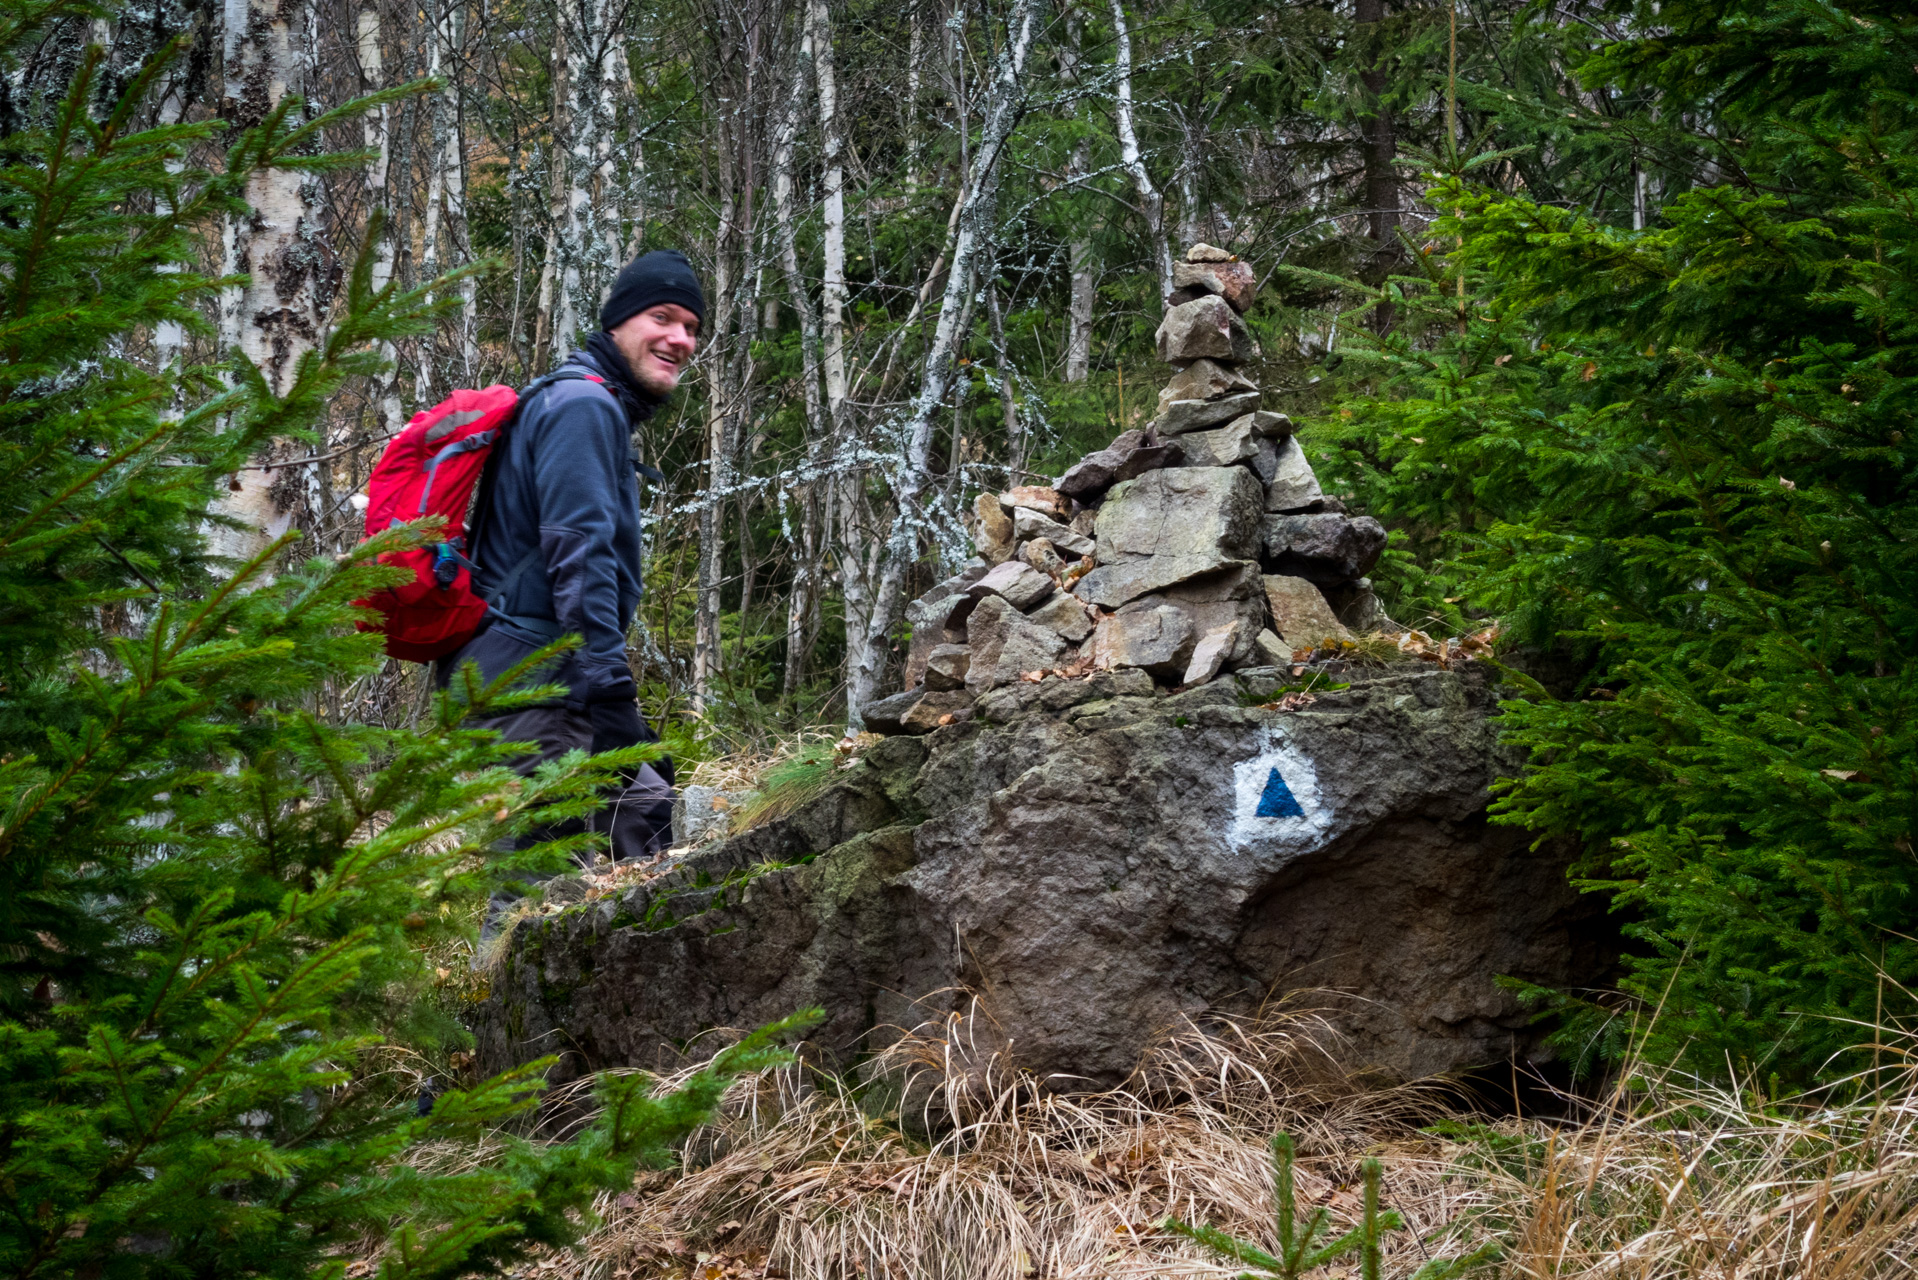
{"points": [[850, 553], [379, 140], [275, 317], [1004, 106], [1079, 304], [1150, 200], [801, 604]]}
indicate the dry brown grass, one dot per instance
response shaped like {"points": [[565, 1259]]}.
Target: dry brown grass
{"points": [[968, 1168]]}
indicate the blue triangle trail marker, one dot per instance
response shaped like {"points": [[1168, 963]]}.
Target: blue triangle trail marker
{"points": [[1278, 800]]}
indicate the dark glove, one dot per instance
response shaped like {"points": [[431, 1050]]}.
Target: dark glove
{"points": [[616, 724]]}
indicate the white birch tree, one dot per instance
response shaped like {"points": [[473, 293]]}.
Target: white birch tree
{"points": [[275, 317], [1005, 104], [1150, 200]]}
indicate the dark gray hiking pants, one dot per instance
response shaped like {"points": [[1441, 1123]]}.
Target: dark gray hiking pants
{"points": [[637, 817]]}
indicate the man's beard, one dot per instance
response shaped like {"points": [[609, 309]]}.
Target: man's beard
{"points": [[651, 380]]}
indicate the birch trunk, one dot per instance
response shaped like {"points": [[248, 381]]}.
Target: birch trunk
{"points": [[1079, 304], [802, 604], [848, 481], [577, 162], [1005, 104], [707, 655], [275, 318], [379, 140], [453, 166], [1149, 198]]}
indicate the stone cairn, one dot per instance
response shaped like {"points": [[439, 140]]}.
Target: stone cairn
{"points": [[1199, 545]]}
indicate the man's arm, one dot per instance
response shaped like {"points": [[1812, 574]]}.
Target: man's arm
{"points": [[581, 470]]}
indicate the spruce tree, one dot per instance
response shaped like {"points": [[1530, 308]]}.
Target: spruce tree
{"points": [[209, 889], [1686, 457]]}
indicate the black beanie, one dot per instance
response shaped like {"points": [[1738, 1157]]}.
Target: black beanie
{"points": [[663, 275]]}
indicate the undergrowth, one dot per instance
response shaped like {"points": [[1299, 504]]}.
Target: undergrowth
{"points": [[953, 1163]]}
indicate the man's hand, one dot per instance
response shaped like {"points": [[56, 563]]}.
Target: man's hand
{"points": [[616, 724]]}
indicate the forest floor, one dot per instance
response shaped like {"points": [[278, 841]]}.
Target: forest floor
{"points": [[961, 1167]]}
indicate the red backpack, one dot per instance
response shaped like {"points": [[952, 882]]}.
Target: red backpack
{"points": [[431, 469]]}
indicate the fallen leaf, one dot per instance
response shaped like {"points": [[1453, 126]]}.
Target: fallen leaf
{"points": [[946, 719], [1842, 775], [1591, 371], [1504, 359]]}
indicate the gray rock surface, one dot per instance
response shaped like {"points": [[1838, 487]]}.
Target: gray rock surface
{"points": [[1016, 582], [1205, 329], [1204, 380], [1237, 441], [947, 666], [1181, 511], [927, 618], [1323, 548], [1091, 860], [1233, 281], [1293, 484], [1150, 634], [1300, 612], [1182, 416], [696, 818], [1006, 644], [1087, 479], [1112, 585], [1065, 615]]}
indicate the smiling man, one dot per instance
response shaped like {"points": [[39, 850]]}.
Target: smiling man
{"points": [[558, 538]]}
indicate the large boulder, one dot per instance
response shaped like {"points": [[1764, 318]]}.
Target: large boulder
{"points": [[1097, 864]]}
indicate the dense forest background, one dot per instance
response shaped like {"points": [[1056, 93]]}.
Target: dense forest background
{"points": [[935, 237]]}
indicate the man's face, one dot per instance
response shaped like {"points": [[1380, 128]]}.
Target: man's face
{"points": [[658, 343]]}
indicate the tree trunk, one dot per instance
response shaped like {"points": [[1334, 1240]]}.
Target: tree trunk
{"points": [[1149, 198], [275, 318], [1379, 147], [1079, 305], [1005, 104], [848, 481], [802, 604]]}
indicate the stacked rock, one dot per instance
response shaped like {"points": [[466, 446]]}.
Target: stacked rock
{"points": [[1198, 545]]}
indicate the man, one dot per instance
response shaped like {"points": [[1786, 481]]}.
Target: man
{"points": [[558, 541]]}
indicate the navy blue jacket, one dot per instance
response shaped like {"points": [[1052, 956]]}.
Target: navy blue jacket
{"points": [[566, 484]]}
